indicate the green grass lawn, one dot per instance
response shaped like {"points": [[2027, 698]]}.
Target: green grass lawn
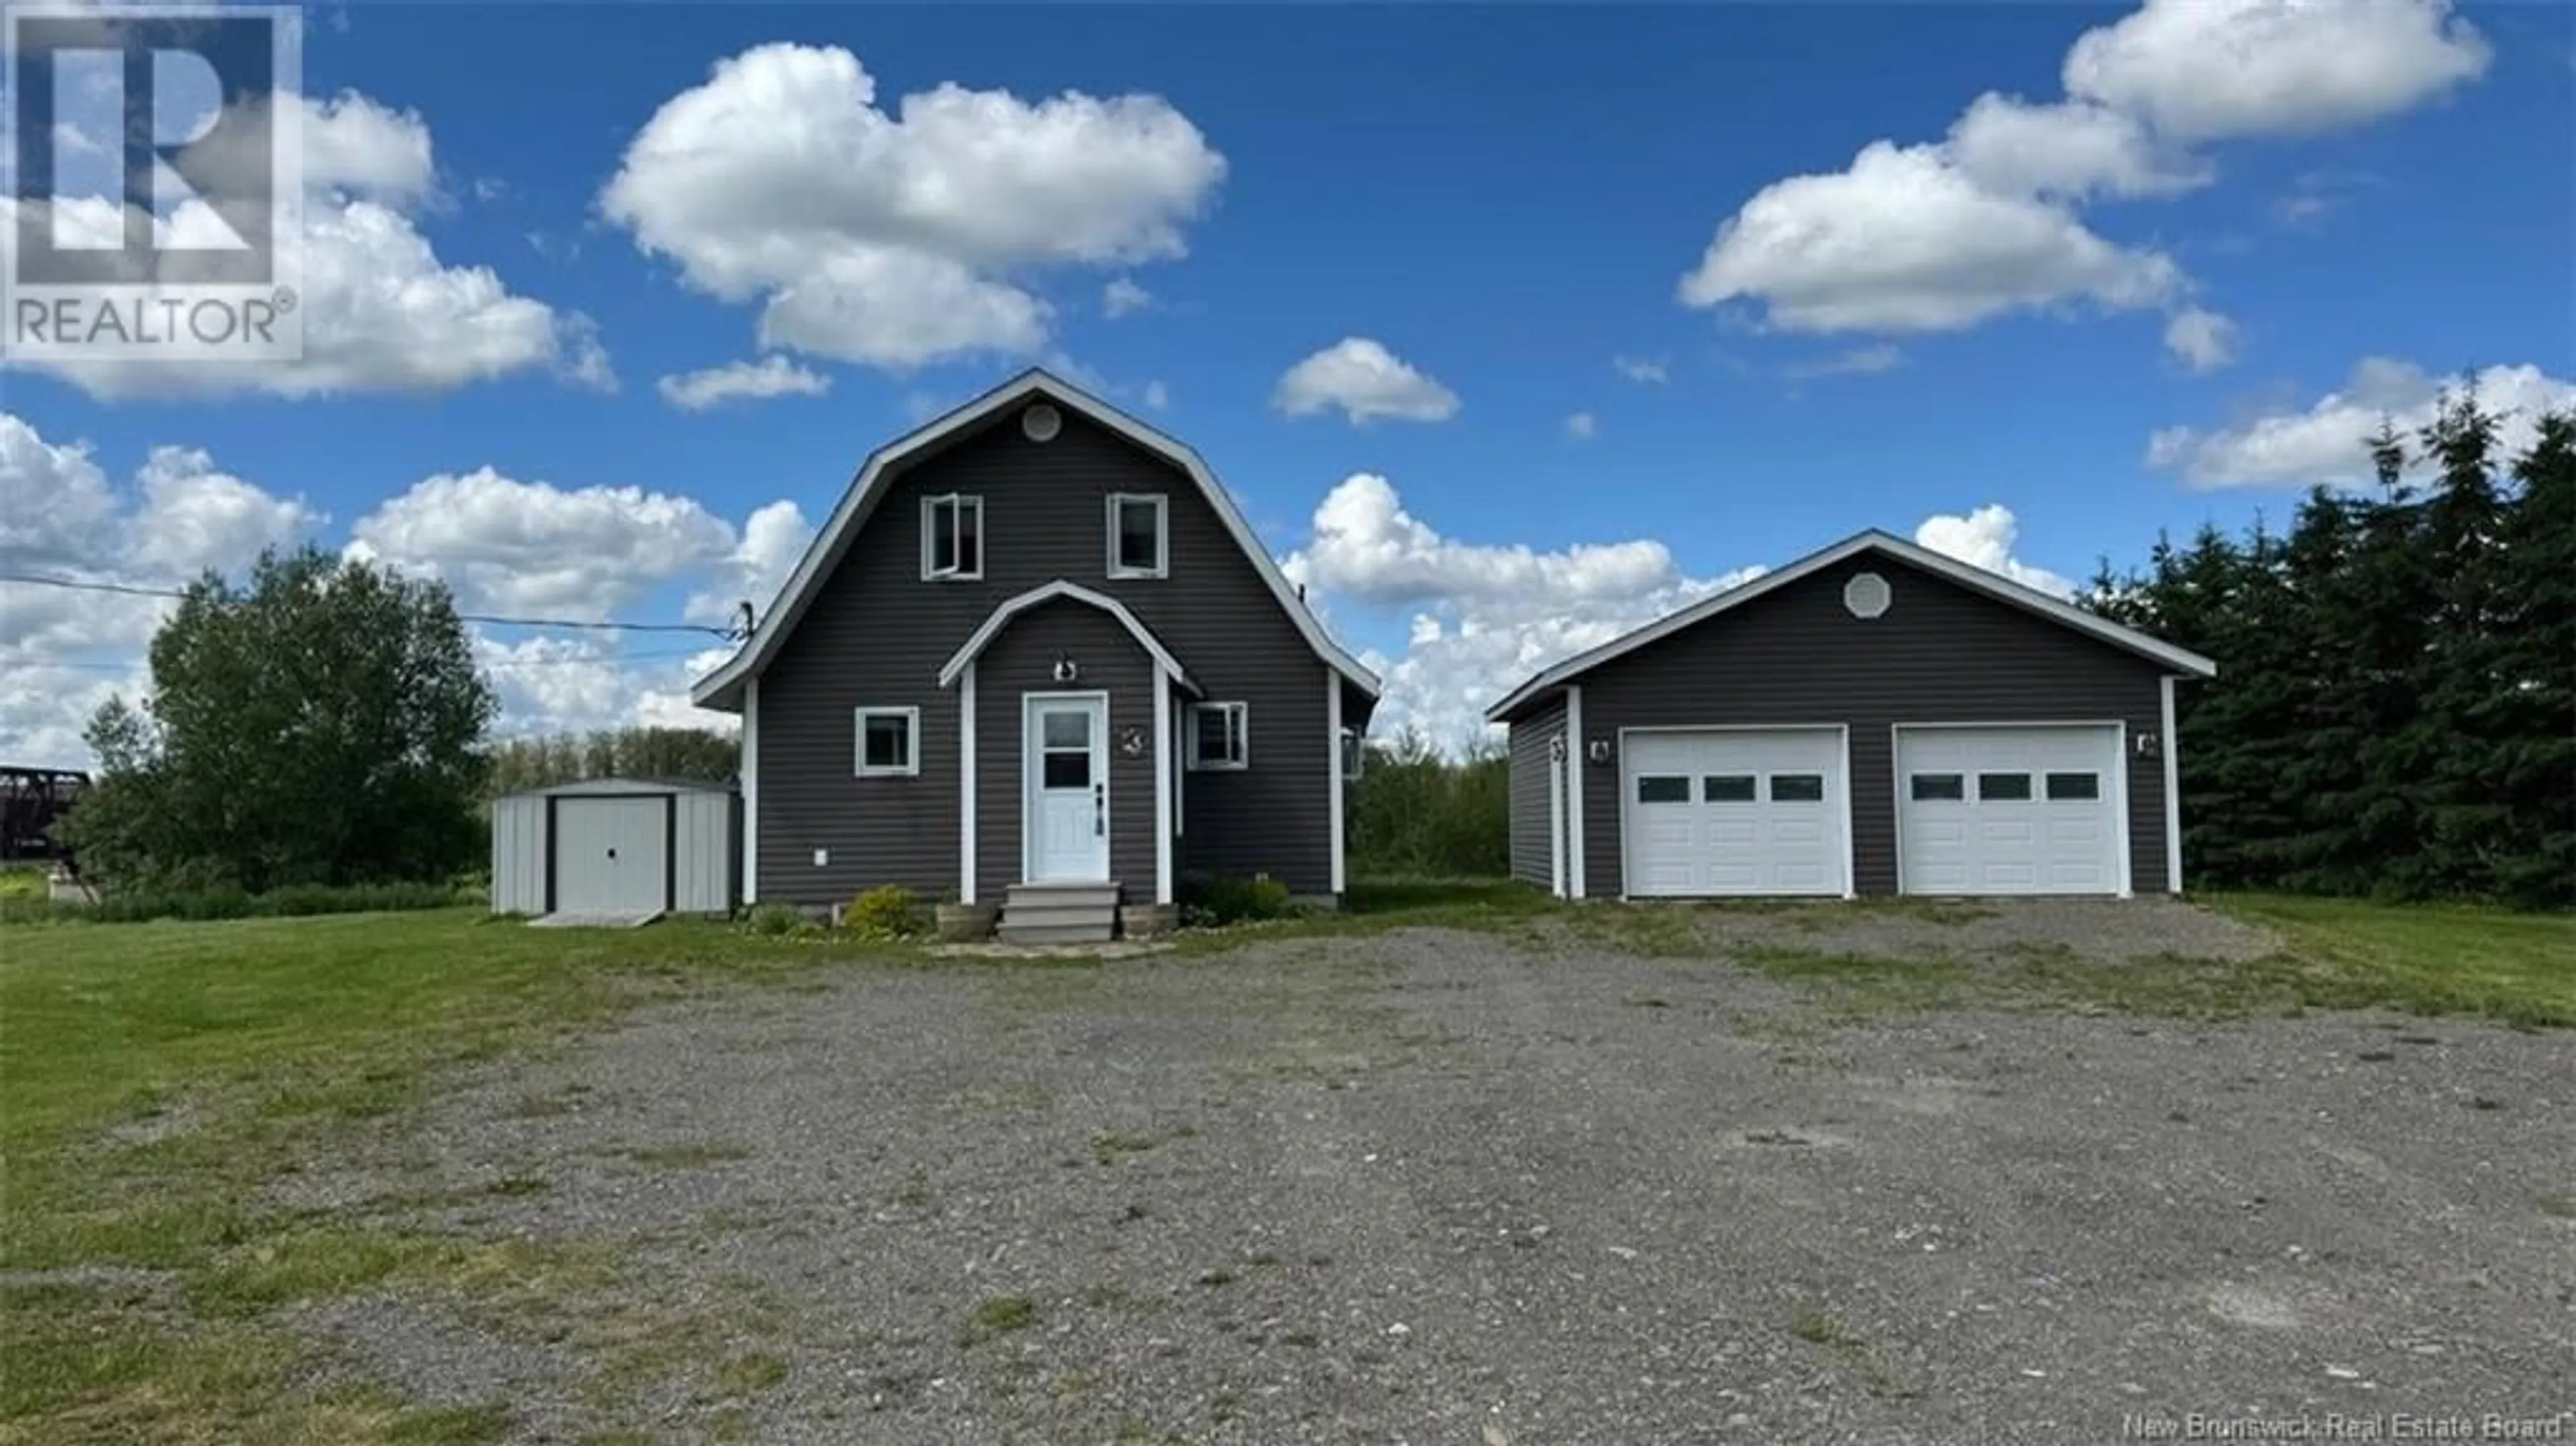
{"points": [[2425, 958], [25, 881], [262, 1037]]}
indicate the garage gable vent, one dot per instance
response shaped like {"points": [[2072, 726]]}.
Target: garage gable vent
{"points": [[1866, 595], [1040, 423]]}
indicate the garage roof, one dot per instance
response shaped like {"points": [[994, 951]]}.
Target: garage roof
{"points": [[609, 787], [1967, 575]]}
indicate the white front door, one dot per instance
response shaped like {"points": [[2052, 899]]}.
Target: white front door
{"points": [[1067, 805], [1733, 811], [2031, 809]]}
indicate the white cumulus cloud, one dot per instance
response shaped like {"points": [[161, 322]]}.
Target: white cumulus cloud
{"points": [[1984, 538], [2328, 441], [63, 651], [771, 376], [2201, 339], [1366, 381], [2213, 69], [381, 311], [897, 237], [1989, 221], [1484, 616]]}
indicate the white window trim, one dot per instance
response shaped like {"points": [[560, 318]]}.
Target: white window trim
{"points": [[911, 766], [929, 514], [1162, 535], [1243, 729]]}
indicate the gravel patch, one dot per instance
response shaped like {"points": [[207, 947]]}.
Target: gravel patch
{"points": [[1431, 1186]]}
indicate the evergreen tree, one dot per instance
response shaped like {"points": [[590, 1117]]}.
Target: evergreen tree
{"points": [[2535, 856]]}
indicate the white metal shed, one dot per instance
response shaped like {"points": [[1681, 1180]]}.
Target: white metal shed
{"points": [[616, 846]]}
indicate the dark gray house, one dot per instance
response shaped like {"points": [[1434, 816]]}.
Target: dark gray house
{"points": [[1874, 718], [1037, 659]]}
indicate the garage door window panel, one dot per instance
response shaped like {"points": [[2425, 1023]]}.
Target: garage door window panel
{"points": [[2074, 787], [1727, 788], [1938, 787], [2003, 788], [1797, 788], [1663, 788]]}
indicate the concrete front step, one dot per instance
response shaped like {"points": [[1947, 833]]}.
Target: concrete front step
{"points": [[1045, 914], [1083, 933], [1104, 896]]}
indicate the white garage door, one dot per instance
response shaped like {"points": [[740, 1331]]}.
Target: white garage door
{"points": [[610, 855], [1733, 811], [2021, 810]]}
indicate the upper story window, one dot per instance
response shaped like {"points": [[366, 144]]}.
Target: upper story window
{"points": [[952, 537], [1138, 546]]}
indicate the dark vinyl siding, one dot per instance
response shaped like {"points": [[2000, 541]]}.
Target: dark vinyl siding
{"points": [[1022, 661], [1531, 860], [876, 633], [1940, 654]]}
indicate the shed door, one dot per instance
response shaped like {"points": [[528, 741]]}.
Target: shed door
{"points": [[2028, 809], [611, 855], [1733, 811]]}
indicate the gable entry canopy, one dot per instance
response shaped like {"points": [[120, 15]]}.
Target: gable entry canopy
{"points": [[1967, 575], [723, 688], [983, 636]]}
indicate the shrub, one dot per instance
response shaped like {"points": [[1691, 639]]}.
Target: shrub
{"points": [[774, 920], [889, 911], [1230, 899]]}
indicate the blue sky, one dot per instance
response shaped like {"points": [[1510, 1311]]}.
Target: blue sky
{"points": [[1578, 343]]}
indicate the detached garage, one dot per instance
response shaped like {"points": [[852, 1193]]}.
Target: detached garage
{"points": [[1874, 718], [615, 847]]}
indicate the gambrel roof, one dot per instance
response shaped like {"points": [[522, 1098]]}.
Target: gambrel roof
{"points": [[722, 688]]}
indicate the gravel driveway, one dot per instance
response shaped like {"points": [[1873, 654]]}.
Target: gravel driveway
{"points": [[1439, 1187]]}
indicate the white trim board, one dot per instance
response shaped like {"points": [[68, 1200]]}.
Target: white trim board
{"points": [[721, 689], [2171, 747], [1575, 780], [1333, 757], [1976, 579], [1009, 608], [1166, 820], [750, 792], [966, 785]]}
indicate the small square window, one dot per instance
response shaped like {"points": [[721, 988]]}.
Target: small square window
{"points": [[1136, 535], [2003, 788], [1663, 788], [1797, 788], [952, 538], [2072, 787], [1726, 788], [1220, 736], [1938, 787], [889, 742]]}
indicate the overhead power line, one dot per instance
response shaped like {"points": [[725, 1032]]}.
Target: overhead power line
{"points": [[132, 590]]}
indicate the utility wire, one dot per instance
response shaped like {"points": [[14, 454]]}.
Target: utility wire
{"points": [[130, 590]]}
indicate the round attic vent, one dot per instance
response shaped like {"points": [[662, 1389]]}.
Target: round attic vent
{"points": [[1866, 595], [1041, 422]]}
